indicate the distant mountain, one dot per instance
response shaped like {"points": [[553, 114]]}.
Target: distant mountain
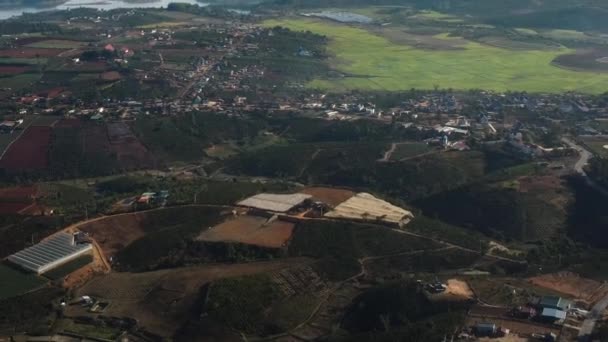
{"points": [[29, 3]]}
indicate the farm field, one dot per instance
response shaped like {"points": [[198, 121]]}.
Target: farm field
{"points": [[29, 152], [596, 145], [161, 300], [400, 67], [252, 230], [115, 232], [572, 284], [14, 283], [56, 44], [22, 52]]}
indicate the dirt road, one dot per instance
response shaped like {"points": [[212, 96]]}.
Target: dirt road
{"points": [[579, 166]]}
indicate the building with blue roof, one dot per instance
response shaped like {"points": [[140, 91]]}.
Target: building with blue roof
{"points": [[552, 315]]}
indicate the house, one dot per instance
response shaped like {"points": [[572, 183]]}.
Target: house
{"points": [[554, 302], [147, 197], [109, 48]]}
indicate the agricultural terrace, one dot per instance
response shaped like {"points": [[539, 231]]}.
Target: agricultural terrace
{"points": [[374, 62]]}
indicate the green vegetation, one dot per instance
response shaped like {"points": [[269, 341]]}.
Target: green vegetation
{"points": [[338, 245], [32, 312], [15, 282], [403, 304], [400, 67], [409, 150], [242, 303], [56, 44], [69, 267], [102, 332]]}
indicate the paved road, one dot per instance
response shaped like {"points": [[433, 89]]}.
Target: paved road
{"points": [[583, 160], [589, 323]]}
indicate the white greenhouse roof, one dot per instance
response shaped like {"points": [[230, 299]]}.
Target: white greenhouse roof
{"points": [[50, 253], [275, 202]]}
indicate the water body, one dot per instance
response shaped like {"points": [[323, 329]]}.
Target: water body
{"points": [[99, 4], [343, 17]]}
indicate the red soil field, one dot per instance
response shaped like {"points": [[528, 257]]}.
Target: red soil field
{"points": [[12, 70], [114, 233], [29, 152], [251, 230], [330, 196], [30, 52], [12, 207], [18, 193], [129, 151]]}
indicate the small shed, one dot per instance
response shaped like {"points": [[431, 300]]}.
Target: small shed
{"points": [[554, 302], [486, 329], [552, 315]]}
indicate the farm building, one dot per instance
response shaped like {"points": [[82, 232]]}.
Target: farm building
{"points": [[366, 207], [279, 203], [552, 315], [486, 329], [50, 253], [554, 302]]}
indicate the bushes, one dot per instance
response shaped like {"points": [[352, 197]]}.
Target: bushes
{"points": [[338, 245], [241, 303]]}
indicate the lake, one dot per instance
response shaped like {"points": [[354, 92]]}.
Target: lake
{"points": [[99, 4]]}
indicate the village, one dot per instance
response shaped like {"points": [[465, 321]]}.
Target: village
{"points": [[158, 164]]}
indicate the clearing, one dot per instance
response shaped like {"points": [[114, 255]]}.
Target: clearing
{"points": [[251, 230], [114, 233], [587, 290], [457, 290], [162, 300], [400, 67]]}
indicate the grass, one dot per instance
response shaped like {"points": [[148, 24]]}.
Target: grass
{"points": [[164, 24], [408, 150], [100, 332], [20, 81], [21, 61], [14, 282], [56, 44], [597, 146], [373, 62]]}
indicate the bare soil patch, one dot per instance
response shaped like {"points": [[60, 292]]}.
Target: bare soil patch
{"points": [[162, 300], [252, 230], [114, 233], [330, 196], [12, 69], [568, 283], [586, 60], [457, 290], [539, 183]]}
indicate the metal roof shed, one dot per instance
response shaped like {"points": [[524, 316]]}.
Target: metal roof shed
{"points": [[553, 314], [554, 302], [50, 253]]}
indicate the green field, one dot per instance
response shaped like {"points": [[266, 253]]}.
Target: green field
{"points": [[14, 283], [56, 44], [373, 62]]}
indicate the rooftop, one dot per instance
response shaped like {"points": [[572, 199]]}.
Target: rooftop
{"points": [[275, 202], [553, 313], [50, 253]]}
